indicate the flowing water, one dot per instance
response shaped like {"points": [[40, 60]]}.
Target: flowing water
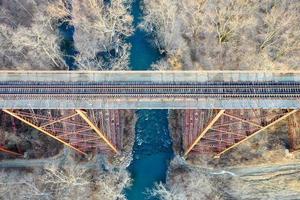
{"points": [[66, 32], [152, 150]]}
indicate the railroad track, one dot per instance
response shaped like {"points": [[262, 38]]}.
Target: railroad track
{"points": [[87, 90]]}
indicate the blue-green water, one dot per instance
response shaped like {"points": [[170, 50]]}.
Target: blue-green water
{"points": [[152, 150], [143, 53], [66, 32]]}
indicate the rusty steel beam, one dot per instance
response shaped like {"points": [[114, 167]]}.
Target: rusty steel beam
{"points": [[42, 130], [294, 132], [258, 131], [84, 116], [296, 151], [233, 127], [59, 120], [2, 149], [242, 120], [201, 134], [76, 132], [74, 129], [227, 132]]}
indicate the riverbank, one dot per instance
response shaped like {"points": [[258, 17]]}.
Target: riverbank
{"points": [[129, 119]]}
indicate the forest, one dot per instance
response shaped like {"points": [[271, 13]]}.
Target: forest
{"points": [[32, 38], [236, 35], [189, 35], [227, 35]]}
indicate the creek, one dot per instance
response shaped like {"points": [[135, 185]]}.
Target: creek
{"points": [[152, 150]]}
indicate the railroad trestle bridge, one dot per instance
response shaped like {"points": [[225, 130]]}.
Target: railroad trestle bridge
{"points": [[221, 109]]}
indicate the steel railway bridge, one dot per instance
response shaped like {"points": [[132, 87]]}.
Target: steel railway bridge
{"points": [[221, 109]]}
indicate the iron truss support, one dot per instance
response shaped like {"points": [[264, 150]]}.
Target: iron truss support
{"points": [[226, 129], [12, 153], [202, 133], [294, 132], [97, 130], [75, 129]]}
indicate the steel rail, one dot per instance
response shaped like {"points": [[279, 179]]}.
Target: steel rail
{"points": [[82, 90], [150, 88], [150, 91], [200, 95], [147, 85]]}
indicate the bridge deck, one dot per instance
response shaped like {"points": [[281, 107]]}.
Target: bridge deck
{"points": [[149, 89]]}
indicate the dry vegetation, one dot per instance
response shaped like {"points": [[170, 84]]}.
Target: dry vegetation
{"points": [[70, 181], [30, 143], [28, 35], [185, 182], [101, 30], [238, 34], [67, 175], [227, 35], [30, 39]]}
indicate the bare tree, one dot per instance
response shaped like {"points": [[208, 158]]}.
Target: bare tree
{"points": [[101, 30], [111, 185], [185, 183], [30, 42], [16, 185], [226, 34], [71, 181], [279, 34]]}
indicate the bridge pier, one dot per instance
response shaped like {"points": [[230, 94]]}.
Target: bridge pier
{"points": [[7, 151], [77, 129], [226, 129], [294, 131]]}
